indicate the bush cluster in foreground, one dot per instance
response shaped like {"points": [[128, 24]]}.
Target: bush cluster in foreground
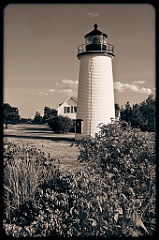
{"points": [[113, 196]]}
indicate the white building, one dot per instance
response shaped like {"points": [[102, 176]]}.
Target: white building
{"points": [[68, 108]]}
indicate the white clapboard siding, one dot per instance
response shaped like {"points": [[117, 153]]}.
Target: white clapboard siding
{"points": [[95, 92]]}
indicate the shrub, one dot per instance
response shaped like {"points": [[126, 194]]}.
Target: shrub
{"points": [[25, 168], [113, 196], [118, 146], [128, 157], [122, 151], [60, 124], [89, 206]]}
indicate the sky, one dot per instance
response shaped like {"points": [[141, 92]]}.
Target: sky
{"points": [[41, 68]]}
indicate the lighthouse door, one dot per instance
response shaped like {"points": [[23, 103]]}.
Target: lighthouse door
{"points": [[79, 126]]}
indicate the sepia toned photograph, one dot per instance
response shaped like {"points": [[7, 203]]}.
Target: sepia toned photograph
{"points": [[79, 120]]}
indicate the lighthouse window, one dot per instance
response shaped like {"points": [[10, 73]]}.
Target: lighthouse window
{"points": [[95, 40], [104, 40], [89, 39]]}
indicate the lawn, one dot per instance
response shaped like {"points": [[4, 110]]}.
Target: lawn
{"points": [[59, 146]]}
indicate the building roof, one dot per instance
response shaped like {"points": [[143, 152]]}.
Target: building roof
{"points": [[95, 32], [74, 98]]}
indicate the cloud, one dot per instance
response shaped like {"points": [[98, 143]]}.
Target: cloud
{"points": [[51, 90], [40, 93], [92, 14], [125, 87], [139, 82], [68, 87], [67, 91], [43, 93], [71, 83]]}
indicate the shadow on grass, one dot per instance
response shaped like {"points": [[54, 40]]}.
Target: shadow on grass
{"points": [[40, 132], [37, 129], [57, 139]]}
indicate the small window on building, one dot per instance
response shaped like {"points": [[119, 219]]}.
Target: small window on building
{"points": [[75, 109], [71, 109], [65, 109]]}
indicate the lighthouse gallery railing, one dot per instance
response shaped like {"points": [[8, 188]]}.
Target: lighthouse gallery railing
{"points": [[108, 48]]}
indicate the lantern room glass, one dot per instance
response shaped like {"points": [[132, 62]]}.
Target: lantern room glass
{"points": [[96, 39]]}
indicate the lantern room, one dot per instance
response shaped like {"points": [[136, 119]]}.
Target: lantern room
{"points": [[96, 41], [96, 37]]}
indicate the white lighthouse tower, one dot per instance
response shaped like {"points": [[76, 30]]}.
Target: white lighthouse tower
{"points": [[95, 90]]}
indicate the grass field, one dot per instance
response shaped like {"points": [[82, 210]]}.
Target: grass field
{"points": [[59, 146]]}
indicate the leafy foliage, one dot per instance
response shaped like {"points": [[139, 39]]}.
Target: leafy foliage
{"points": [[113, 196], [24, 169], [121, 150], [60, 124], [26, 120], [10, 114], [38, 118], [128, 156], [48, 114], [142, 115]]}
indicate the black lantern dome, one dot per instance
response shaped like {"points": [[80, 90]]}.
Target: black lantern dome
{"points": [[96, 32]]}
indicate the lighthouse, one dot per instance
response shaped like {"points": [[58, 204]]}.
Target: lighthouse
{"points": [[95, 91]]}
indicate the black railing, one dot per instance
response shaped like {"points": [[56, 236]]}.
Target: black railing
{"points": [[108, 48]]}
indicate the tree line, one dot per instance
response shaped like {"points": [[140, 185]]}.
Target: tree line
{"points": [[141, 116]]}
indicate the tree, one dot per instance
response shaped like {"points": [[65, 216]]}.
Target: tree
{"points": [[141, 115], [126, 113], [151, 105], [26, 120], [48, 114], [38, 118], [10, 114], [136, 116], [148, 109]]}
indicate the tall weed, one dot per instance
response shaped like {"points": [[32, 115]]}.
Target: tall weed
{"points": [[24, 170]]}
